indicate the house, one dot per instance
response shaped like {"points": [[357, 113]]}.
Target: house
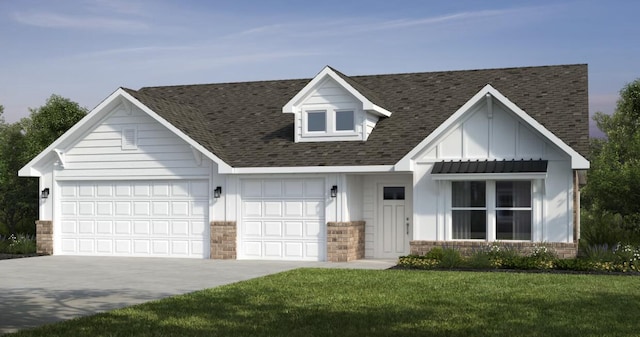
{"points": [[330, 168]]}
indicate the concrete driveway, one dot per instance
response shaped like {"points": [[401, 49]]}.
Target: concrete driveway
{"points": [[40, 290]]}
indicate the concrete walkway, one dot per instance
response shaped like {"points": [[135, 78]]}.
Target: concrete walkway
{"points": [[40, 290]]}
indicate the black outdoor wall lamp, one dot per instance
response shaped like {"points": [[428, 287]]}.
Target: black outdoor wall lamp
{"points": [[334, 191], [217, 192], [45, 193]]}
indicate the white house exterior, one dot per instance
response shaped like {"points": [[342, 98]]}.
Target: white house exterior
{"points": [[333, 168]]}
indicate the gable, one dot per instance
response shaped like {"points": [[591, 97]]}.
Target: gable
{"points": [[489, 126], [128, 143], [491, 132]]}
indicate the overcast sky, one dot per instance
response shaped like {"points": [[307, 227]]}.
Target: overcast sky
{"points": [[86, 49]]}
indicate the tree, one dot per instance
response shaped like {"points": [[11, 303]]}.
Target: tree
{"points": [[19, 143], [613, 185], [50, 121]]}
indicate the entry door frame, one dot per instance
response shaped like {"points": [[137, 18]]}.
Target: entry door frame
{"points": [[408, 219]]}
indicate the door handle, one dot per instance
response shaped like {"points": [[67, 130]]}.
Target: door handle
{"points": [[407, 228]]}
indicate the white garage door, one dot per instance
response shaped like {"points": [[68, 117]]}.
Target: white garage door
{"points": [[282, 219], [134, 218]]}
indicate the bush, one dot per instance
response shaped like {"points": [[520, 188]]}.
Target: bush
{"points": [[622, 258], [451, 258], [18, 244]]}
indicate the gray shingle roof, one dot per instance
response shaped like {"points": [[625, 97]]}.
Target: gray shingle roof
{"points": [[243, 124]]}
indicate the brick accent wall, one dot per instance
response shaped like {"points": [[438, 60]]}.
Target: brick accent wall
{"points": [[223, 240], [44, 237], [565, 250], [345, 241]]}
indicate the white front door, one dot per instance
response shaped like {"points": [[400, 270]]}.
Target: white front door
{"points": [[394, 219]]}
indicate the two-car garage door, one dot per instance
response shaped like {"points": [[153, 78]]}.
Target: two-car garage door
{"points": [[134, 218], [282, 219], [279, 219]]}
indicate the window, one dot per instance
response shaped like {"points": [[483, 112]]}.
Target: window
{"points": [[344, 121], [475, 205], [513, 210], [469, 210], [317, 121], [393, 193]]}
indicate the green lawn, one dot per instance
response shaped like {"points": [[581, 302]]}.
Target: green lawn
{"points": [[330, 302]]}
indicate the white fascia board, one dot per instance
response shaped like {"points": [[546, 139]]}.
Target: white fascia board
{"points": [[222, 166], [327, 71], [313, 169], [30, 170], [578, 162], [489, 176]]}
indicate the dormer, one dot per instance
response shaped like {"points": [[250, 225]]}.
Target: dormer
{"points": [[331, 108]]}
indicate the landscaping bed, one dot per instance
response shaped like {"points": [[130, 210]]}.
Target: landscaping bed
{"points": [[619, 259]]}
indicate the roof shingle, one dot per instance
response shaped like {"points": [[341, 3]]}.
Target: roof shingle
{"points": [[243, 124]]}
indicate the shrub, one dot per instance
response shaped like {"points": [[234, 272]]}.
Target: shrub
{"points": [[18, 244], [451, 258], [417, 262]]}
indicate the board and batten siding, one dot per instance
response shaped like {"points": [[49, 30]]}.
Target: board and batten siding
{"points": [[487, 136], [157, 154]]}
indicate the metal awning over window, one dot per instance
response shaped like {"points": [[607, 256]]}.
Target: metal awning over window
{"points": [[490, 169]]}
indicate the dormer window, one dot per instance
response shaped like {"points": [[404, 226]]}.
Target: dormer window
{"points": [[330, 121], [329, 108], [345, 120], [317, 121]]}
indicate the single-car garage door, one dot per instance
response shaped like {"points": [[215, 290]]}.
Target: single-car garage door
{"points": [[134, 218], [282, 219]]}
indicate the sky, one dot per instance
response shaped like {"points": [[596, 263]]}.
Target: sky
{"points": [[85, 49]]}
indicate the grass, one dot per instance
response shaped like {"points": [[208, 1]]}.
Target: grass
{"points": [[330, 302]]}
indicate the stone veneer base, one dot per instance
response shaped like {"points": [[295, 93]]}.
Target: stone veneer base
{"points": [[345, 241], [44, 237], [223, 240], [564, 250]]}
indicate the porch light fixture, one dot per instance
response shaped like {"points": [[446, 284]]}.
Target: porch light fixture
{"points": [[334, 191], [217, 192], [45, 193]]}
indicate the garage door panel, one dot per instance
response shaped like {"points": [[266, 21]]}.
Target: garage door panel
{"points": [[85, 245], [104, 227], [123, 247], [273, 189], [282, 219], [68, 226], [272, 209], [135, 218], [180, 228], [293, 229], [104, 208], [313, 208], [141, 246], [293, 250], [293, 209], [85, 227], [198, 228], [141, 228], [272, 249], [104, 246], [273, 228], [69, 208], [313, 229], [252, 228]]}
